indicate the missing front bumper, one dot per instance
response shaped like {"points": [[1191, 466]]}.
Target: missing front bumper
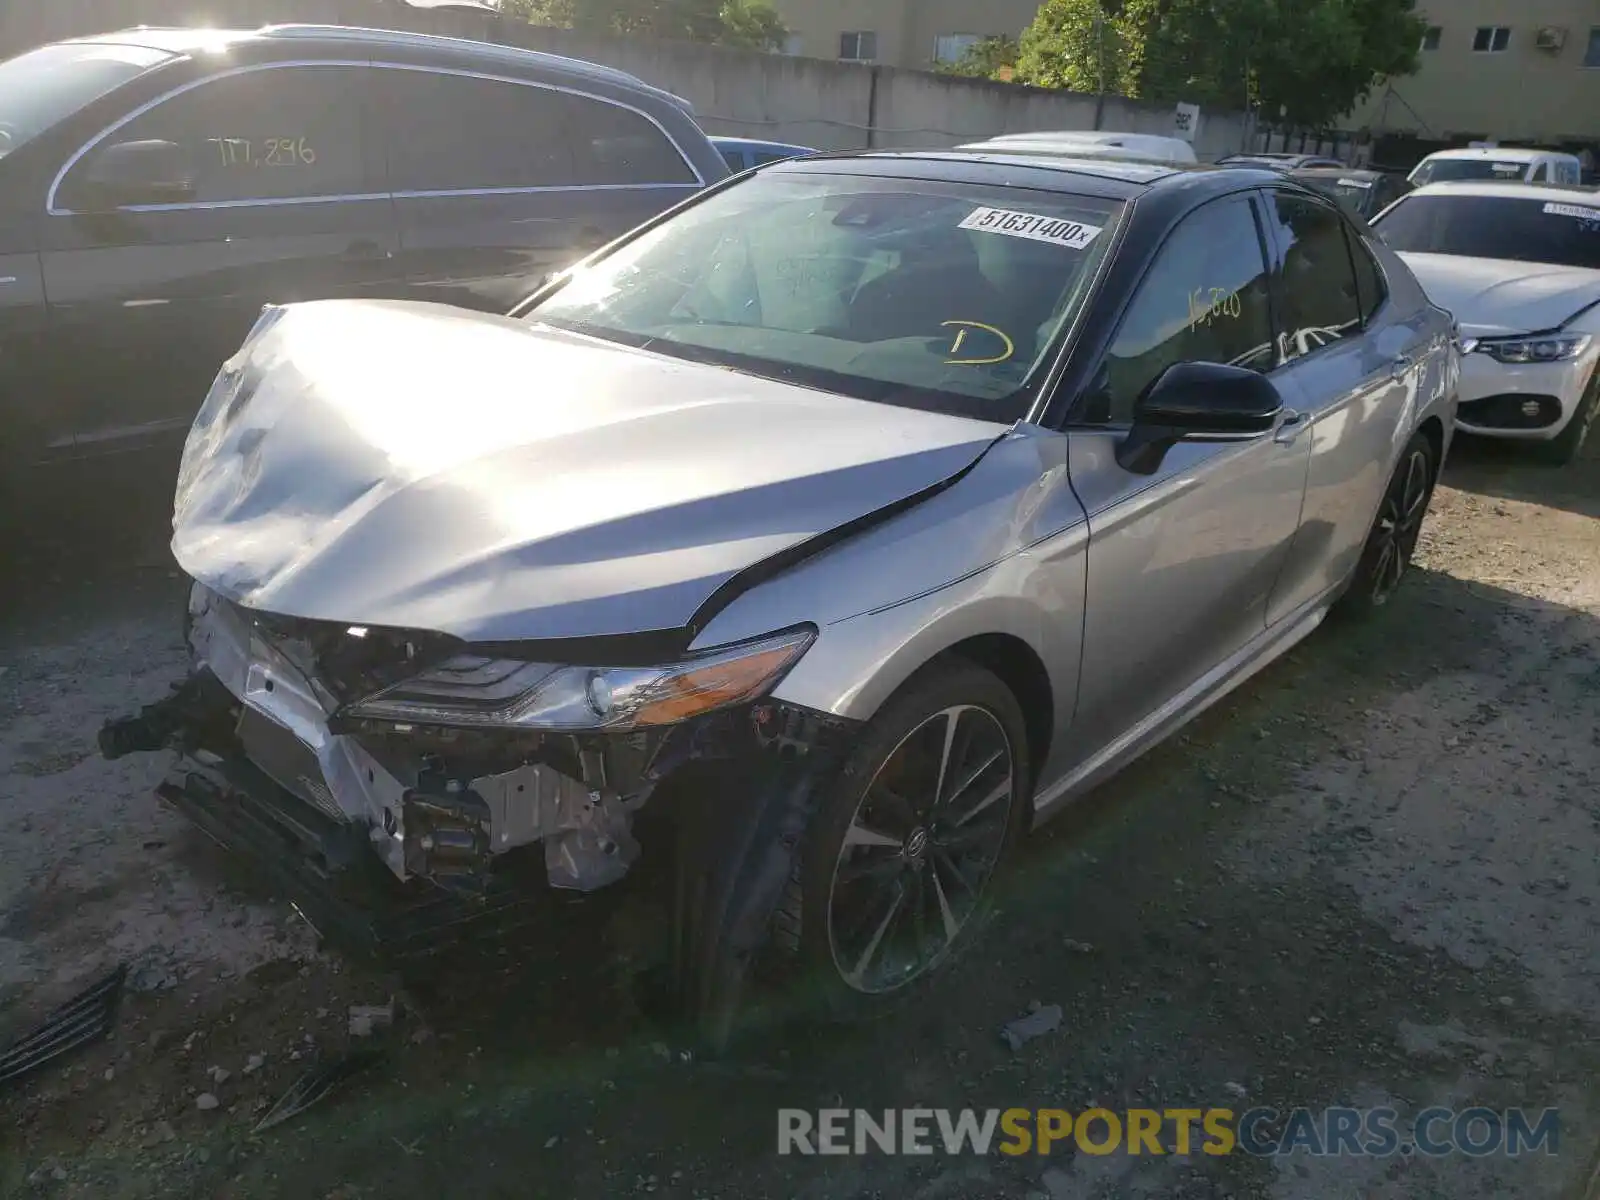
{"points": [[325, 871]]}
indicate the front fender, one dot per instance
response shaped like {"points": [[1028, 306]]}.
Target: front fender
{"points": [[1002, 551]]}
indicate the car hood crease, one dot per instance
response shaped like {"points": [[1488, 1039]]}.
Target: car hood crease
{"points": [[416, 466]]}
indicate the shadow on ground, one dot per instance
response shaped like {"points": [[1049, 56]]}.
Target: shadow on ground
{"points": [[1502, 470]]}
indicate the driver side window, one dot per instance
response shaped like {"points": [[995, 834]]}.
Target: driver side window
{"points": [[272, 134], [1205, 299]]}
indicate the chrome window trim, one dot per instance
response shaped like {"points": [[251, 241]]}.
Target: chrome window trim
{"points": [[53, 210]]}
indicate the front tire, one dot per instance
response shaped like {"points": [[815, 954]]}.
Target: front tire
{"points": [[897, 871], [1393, 538]]}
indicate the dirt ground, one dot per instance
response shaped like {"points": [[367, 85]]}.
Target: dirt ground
{"points": [[1370, 877]]}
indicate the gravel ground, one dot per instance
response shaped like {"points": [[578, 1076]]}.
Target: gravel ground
{"points": [[1369, 878]]}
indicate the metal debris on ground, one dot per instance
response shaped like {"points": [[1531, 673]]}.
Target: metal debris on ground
{"points": [[1040, 1021], [86, 1018], [316, 1084]]}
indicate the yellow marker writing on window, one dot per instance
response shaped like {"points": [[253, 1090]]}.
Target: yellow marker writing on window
{"points": [[962, 329]]}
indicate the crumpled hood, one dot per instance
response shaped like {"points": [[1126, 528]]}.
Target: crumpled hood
{"points": [[1492, 296], [423, 467]]}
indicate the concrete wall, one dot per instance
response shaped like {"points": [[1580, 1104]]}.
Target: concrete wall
{"points": [[830, 105]]}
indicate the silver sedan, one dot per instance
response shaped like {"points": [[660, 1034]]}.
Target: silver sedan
{"points": [[847, 521]]}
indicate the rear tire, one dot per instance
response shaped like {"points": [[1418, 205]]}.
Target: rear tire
{"points": [[1393, 539], [1568, 444], [897, 872]]}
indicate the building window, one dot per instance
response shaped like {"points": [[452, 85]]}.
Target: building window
{"points": [[1591, 56], [859, 46], [1431, 36], [953, 47], [1491, 39]]}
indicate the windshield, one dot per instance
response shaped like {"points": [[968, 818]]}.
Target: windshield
{"points": [[1525, 230], [1448, 170], [928, 294], [47, 85]]}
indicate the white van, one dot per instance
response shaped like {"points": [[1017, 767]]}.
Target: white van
{"points": [[1076, 143], [1506, 164]]}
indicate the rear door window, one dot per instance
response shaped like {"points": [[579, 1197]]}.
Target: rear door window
{"points": [[460, 133], [1371, 289], [617, 145], [274, 134], [453, 133], [1319, 293]]}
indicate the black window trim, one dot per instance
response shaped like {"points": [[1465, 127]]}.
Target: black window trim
{"points": [[1349, 254], [1253, 198], [54, 210]]}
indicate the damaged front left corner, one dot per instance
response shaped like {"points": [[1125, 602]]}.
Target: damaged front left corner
{"points": [[436, 804]]}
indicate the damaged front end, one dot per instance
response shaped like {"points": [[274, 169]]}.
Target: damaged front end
{"points": [[321, 751]]}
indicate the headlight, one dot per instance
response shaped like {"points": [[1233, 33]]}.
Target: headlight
{"points": [[1554, 348], [486, 693]]}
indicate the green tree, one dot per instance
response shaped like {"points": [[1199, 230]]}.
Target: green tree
{"points": [[992, 58], [753, 24], [1310, 59]]}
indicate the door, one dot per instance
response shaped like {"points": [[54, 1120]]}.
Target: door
{"points": [[554, 174], [147, 301], [33, 426], [1181, 562], [1353, 362]]}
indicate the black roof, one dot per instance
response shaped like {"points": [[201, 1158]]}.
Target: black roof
{"points": [[1107, 178], [189, 41]]}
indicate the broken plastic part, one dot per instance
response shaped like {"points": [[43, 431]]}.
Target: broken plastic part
{"points": [[316, 1085], [86, 1018]]}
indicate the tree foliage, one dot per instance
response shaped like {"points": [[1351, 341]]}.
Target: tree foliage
{"points": [[751, 24], [992, 58], [1307, 61]]}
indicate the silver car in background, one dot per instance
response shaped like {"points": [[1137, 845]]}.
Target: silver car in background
{"points": [[849, 521]]}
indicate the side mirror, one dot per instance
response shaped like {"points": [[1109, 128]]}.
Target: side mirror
{"points": [[145, 172], [1197, 399]]}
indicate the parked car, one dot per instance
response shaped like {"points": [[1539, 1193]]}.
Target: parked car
{"points": [[1074, 143], [1520, 268], [1364, 193], [853, 518], [1505, 164], [160, 185], [1279, 160], [743, 154]]}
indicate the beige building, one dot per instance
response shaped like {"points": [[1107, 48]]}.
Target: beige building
{"points": [[899, 33], [1497, 70]]}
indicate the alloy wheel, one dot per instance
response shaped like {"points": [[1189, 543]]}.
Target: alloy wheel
{"points": [[1399, 524], [920, 849]]}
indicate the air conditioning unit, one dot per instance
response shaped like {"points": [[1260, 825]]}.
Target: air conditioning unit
{"points": [[1551, 38]]}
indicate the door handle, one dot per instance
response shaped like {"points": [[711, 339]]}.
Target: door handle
{"points": [[364, 250], [1401, 365], [1290, 427]]}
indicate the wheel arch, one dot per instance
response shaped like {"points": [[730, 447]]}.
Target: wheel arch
{"points": [[1019, 667]]}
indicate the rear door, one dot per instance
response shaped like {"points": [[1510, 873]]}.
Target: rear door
{"points": [[1181, 562], [147, 301], [1355, 363], [499, 182]]}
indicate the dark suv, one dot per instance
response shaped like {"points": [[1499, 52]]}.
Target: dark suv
{"points": [[158, 186]]}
